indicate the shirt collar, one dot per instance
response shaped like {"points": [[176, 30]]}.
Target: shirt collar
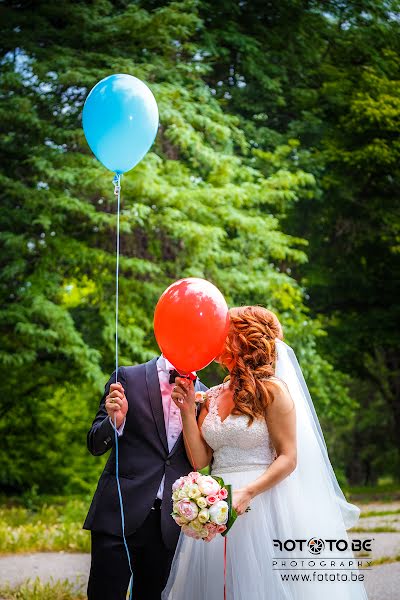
{"points": [[166, 366]]}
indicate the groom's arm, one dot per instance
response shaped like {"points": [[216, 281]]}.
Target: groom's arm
{"points": [[101, 435]]}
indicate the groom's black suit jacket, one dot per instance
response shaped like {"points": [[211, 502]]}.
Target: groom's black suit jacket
{"points": [[143, 457]]}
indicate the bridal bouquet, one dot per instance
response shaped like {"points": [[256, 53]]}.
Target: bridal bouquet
{"points": [[202, 506]]}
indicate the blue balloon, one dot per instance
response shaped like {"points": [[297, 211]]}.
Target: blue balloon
{"points": [[120, 121]]}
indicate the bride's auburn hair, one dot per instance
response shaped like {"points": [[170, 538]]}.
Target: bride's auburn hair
{"points": [[250, 350]]}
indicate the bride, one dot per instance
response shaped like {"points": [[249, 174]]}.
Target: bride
{"points": [[260, 433]]}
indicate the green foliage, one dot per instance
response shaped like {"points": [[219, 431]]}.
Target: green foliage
{"points": [[269, 136], [36, 590], [50, 527], [317, 84], [45, 444]]}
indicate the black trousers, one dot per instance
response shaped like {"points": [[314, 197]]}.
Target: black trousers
{"points": [[151, 563]]}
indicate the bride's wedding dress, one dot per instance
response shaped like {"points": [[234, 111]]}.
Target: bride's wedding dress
{"points": [[305, 505]]}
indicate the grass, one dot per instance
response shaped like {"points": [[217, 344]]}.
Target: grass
{"points": [[45, 527], [384, 492], [385, 560], [37, 523], [379, 513], [35, 590], [374, 530]]}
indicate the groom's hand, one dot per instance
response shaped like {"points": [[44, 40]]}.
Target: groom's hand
{"points": [[116, 404]]}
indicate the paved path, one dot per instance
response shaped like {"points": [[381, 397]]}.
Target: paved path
{"points": [[379, 507], [382, 545], [373, 521], [16, 568], [382, 582]]}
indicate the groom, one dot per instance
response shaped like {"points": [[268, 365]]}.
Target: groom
{"points": [[151, 457]]}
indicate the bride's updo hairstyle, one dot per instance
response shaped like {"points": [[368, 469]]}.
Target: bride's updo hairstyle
{"points": [[250, 353]]}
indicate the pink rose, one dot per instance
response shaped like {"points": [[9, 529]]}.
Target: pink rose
{"points": [[212, 499], [223, 494], [194, 476], [187, 509], [208, 485], [191, 533], [221, 528], [210, 537], [200, 397], [178, 483], [212, 527]]}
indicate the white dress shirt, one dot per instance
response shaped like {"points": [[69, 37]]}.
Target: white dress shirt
{"points": [[172, 414]]}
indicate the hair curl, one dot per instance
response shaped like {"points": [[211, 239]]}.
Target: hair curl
{"points": [[250, 352]]}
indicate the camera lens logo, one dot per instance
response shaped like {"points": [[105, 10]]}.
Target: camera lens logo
{"points": [[315, 545]]}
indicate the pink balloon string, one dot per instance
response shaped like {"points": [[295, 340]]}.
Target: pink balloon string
{"points": [[225, 537]]}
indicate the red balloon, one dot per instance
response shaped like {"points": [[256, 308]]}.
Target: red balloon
{"points": [[191, 322]]}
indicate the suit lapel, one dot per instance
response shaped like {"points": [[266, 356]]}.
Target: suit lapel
{"points": [[153, 387]]}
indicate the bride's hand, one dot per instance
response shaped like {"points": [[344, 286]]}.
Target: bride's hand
{"points": [[183, 395], [241, 500]]}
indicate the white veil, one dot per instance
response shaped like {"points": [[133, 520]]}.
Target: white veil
{"points": [[310, 439], [310, 503]]}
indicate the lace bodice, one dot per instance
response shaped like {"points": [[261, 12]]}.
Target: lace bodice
{"points": [[236, 446]]}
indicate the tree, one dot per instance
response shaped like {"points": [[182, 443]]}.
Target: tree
{"points": [[316, 84], [196, 206]]}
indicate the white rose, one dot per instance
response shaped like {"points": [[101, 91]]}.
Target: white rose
{"points": [[193, 491], [203, 515], [181, 521], [201, 502], [219, 512], [175, 496], [196, 525]]}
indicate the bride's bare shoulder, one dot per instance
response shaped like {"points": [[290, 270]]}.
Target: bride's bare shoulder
{"points": [[279, 383], [283, 401]]}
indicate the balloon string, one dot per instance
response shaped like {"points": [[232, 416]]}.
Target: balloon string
{"points": [[121, 506], [117, 192], [187, 445], [225, 544]]}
